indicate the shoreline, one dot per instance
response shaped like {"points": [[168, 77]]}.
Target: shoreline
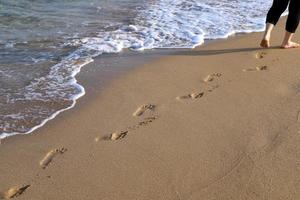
{"points": [[143, 57], [222, 123]]}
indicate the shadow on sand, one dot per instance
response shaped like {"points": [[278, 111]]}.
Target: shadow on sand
{"points": [[218, 52]]}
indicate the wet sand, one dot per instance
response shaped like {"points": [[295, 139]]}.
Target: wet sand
{"points": [[217, 122]]}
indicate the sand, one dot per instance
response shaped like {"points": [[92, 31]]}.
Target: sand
{"points": [[217, 122]]}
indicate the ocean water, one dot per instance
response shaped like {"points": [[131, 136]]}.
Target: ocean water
{"points": [[44, 44]]}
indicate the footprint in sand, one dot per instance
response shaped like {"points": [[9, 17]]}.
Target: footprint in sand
{"points": [[147, 121], [259, 68], [142, 109], [195, 95], [122, 134], [13, 192], [212, 88], [211, 77], [260, 55], [50, 156], [118, 135], [114, 136]]}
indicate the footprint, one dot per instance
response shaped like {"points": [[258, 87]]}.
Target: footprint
{"points": [[142, 109], [122, 134], [211, 77], [260, 55], [195, 95], [147, 121], [13, 192], [259, 68], [50, 155], [118, 135], [262, 68], [114, 136], [212, 88]]}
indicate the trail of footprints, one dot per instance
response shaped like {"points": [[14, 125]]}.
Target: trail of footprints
{"points": [[16, 191], [139, 112], [150, 109], [192, 96]]}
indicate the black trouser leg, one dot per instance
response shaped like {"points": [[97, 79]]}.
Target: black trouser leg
{"points": [[278, 7], [294, 16]]}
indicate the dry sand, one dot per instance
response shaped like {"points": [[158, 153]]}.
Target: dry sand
{"points": [[218, 122]]}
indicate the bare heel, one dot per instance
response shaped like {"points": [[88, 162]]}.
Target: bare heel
{"points": [[265, 43]]}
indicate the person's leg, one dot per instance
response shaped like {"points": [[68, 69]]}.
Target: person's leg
{"points": [[278, 7], [265, 42], [291, 25]]}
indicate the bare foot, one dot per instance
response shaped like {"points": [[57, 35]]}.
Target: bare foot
{"points": [[265, 43], [290, 45]]}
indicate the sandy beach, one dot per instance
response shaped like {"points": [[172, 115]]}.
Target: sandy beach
{"points": [[218, 122]]}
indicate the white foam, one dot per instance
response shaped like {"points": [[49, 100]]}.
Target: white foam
{"points": [[53, 115], [182, 24]]}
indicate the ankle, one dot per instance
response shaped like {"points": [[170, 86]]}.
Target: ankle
{"points": [[286, 42], [266, 37]]}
